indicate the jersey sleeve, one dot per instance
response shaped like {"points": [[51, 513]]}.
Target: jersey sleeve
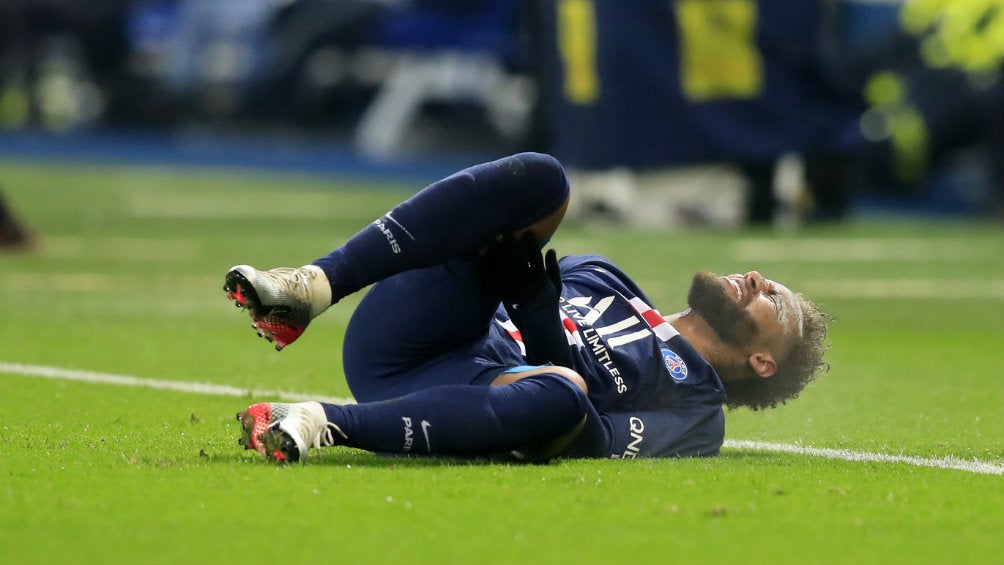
{"points": [[692, 430]]}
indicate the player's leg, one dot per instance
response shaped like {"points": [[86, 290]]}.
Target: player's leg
{"points": [[548, 447], [421, 328], [447, 220], [415, 330], [452, 218], [531, 417]]}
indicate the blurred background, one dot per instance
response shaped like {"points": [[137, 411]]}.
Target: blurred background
{"points": [[667, 113]]}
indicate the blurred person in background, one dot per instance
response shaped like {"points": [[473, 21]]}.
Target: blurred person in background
{"points": [[929, 75], [929, 81], [899, 99], [62, 62], [14, 236]]}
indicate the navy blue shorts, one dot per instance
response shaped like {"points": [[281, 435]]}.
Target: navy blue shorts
{"points": [[420, 329]]}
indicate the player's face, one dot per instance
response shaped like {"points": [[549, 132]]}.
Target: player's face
{"points": [[747, 309]]}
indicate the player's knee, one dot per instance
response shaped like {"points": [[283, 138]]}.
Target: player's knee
{"points": [[542, 166], [543, 181], [571, 376]]}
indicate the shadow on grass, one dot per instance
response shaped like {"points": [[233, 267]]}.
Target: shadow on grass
{"points": [[340, 457]]}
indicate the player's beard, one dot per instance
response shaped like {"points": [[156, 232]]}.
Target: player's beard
{"points": [[710, 297]]}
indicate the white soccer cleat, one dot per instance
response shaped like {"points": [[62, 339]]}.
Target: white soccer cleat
{"points": [[286, 432], [282, 301]]}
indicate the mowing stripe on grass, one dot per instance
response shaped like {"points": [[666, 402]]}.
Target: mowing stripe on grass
{"points": [[952, 463], [913, 289], [864, 250], [884, 288]]}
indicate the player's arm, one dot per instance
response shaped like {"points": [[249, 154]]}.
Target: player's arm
{"points": [[529, 285]]}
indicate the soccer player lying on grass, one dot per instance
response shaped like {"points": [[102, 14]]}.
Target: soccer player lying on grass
{"points": [[472, 343]]}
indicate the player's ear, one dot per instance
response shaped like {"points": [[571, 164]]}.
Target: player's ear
{"points": [[762, 363]]}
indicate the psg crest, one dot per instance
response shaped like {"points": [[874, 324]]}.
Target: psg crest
{"points": [[675, 365]]}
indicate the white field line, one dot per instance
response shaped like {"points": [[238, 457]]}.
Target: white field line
{"points": [[160, 384], [952, 463]]}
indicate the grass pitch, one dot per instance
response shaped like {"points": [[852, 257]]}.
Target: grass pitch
{"points": [[127, 283]]}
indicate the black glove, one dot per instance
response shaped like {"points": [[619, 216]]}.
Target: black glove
{"points": [[514, 270], [529, 285]]}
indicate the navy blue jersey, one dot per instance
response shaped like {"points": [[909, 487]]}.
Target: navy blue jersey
{"points": [[653, 394]]}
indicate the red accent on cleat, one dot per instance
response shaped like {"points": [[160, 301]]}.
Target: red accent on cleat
{"points": [[238, 295], [281, 332], [260, 416]]}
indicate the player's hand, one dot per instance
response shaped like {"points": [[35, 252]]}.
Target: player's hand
{"points": [[529, 285], [516, 271]]}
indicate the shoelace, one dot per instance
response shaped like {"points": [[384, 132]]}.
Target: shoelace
{"points": [[291, 288], [295, 278], [300, 279], [328, 433]]}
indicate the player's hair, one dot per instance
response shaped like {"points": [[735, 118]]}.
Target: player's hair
{"points": [[797, 369]]}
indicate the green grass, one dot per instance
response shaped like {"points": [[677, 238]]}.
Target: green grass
{"points": [[127, 281]]}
